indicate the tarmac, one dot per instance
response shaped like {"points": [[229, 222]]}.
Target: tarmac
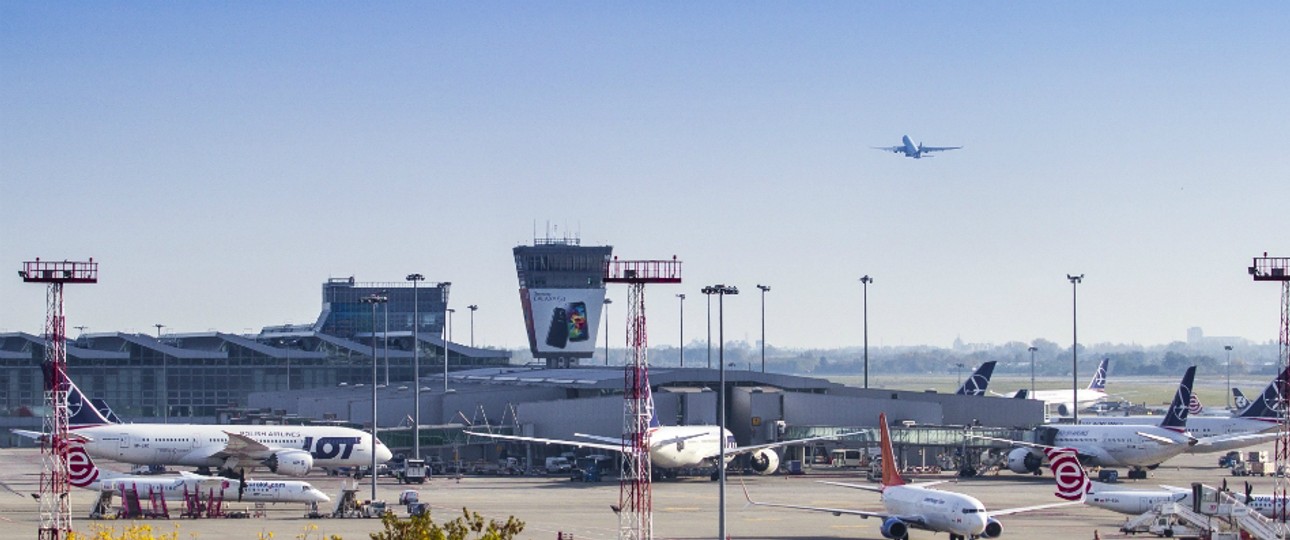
{"points": [[683, 509]]}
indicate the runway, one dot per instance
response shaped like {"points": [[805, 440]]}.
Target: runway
{"points": [[683, 509]]}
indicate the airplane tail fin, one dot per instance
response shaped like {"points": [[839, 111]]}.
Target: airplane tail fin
{"points": [[1022, 394], [1177, 415], [1195, 407], [649, 399], [1239, 400], [980, 380], [1072, 482], [81, 471], [81, 411], [1271, 403], [1099, 377], [890, 475]]}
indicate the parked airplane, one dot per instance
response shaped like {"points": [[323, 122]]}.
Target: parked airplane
{"points": [[678, 447], [909, 150], [1248, 427], [916, 506], [1239, 400], [83, 473], [1139, 447], [289, 450], [976, 384], [1095, 392]]}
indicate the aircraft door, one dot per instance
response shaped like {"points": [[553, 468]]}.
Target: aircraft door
{"points": [[125, 441]]}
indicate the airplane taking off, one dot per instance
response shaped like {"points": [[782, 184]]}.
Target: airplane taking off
{"points": [[916, 506], [976, 384], [1095, 392], [909, 150], [1137, 446], [678, 447], [83, 473], [289, 450]]}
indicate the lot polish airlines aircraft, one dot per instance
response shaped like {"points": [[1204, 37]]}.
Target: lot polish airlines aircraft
{"points": [[1139, 447], [916, 506], [83, 473], [289, 450], [977, 384], [1095, 392], [909, 150], [678, 447], [1247, 427]]}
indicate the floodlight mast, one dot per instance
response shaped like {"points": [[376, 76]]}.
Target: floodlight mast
{"points": [[1267, 268]]}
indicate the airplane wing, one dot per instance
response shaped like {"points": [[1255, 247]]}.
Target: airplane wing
{"points": [[580, 444], [894, 149], [878, 488], [39, 436], [241, 446], [939, 148], [1156, 438], [755, 447], [1252, 438], [912, 520], [1021, 509]]}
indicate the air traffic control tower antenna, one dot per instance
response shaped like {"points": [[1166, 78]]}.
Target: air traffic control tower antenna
{"points": [[1267, 268], [55, 511], [635, 496]]}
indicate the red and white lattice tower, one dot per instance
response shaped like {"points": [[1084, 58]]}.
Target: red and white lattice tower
{"points": [[635, 496], [1278, 269], [55, 511]]}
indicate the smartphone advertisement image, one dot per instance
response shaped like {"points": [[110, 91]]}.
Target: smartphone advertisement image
{"points": [[563, 321]]}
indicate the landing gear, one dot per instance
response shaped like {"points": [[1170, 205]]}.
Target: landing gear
{"points": [[1137, 474]]}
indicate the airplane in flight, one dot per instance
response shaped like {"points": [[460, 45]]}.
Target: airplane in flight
{"points": [[917, 506], [976, 384], [678, 447], [83, 473], [1096, 391], [1248, 427], [1137, 446], [917, 152], [288, 450]]}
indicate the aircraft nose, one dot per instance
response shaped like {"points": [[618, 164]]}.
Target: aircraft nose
{"points": [[383, 453], [321, 497]]}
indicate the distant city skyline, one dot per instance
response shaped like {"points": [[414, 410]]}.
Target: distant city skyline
{"points": [[221, 161]]}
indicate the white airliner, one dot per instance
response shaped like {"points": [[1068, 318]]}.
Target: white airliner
{"points": [[83, 473], [1095, 392], [917, 152], [1248, 427], [289, 450], [1139, 447], [916, 506], [678, 447]]}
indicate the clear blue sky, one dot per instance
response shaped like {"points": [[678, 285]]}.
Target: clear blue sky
{"points": [[223, 159]]}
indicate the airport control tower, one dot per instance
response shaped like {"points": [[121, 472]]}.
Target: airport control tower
{"points": [[562, 290]]}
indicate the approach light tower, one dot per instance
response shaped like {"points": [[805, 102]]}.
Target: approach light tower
{"points": [[635, 496], [55, 510], [1267, 268]]}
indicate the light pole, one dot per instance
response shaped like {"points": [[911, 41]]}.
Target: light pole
{"points": [[721, 291], [446, 350], [764, 290], [1228, 348], [606, 316], [1075, 281], [472, 309], [709, 330], [682, 302], [385, 337], [444, 332], [1032, 371], [865, 281], [416, 365], [960, 370], [165, 387], [373, 300], [286, 346]]}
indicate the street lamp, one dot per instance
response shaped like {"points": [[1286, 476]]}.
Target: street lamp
{"points": [[721, 291], [373, 300], [446, 350], [764, 290], [606, 316], [681, 298], [444, 332], [385, 338], [960, 370], [165, 388], [1032, 371], [416, 365], [709, 331], [472, 309], [286, 346], [1228, 348], [1075, 281], [865, 281]]}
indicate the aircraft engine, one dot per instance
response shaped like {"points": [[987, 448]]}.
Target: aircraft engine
{"points": [[893, 527], [764, 461], [993, 529], [290, 462], [1063, 410], [1025, 461]]}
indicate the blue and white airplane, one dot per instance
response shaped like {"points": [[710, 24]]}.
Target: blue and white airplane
{"points": [[907, 147], [979, 381]]}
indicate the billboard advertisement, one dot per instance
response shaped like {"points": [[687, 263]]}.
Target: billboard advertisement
{"points": [[562, 322]]}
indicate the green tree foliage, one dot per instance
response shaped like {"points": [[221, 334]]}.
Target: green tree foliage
{"points": [[468, 526]]}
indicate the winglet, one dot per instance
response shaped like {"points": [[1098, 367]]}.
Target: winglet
{"points": [[1072, 481], [890, 476]]}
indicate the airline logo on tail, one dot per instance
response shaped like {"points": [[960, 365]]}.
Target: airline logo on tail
{"points": [[1239, 399], [1271, 403], [81, 411], [1177, 416], [1194, 406], [649, 400], [1072, 482], [81, 471], [1099, 376], [977, 384]]}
